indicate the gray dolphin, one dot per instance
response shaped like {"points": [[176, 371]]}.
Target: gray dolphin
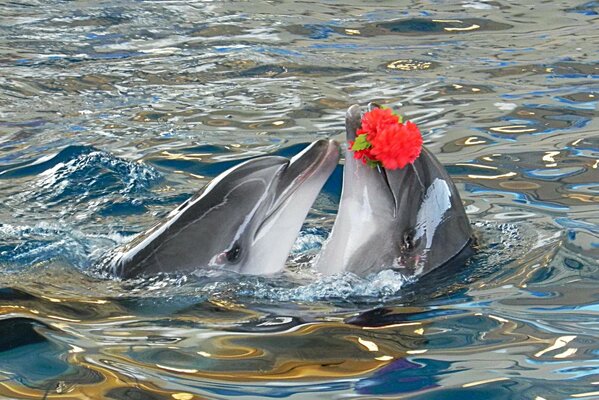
{"points": [[410, 219], [245, 220]]}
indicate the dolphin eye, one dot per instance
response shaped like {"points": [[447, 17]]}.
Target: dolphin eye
{"points": [[234, 253], [407, 240]]}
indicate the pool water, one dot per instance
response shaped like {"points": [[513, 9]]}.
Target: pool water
{"points": [[113, 113]]}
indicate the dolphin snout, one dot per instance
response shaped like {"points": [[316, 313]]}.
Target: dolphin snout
{"points": [[353, 120]]}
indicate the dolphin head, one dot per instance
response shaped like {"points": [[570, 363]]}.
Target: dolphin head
{"points": [[409, 219], [245, 220]]}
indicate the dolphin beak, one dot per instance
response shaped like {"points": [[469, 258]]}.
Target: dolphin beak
{"points": [[319, 158], [353, 120], [296, 188], [302, 179]]}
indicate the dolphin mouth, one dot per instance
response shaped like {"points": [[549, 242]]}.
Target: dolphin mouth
{"points": [[320, 157]]}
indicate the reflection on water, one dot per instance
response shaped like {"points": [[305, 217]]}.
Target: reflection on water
{"points": [[112, 113]]}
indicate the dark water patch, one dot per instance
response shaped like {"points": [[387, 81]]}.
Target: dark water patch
{"points": [[27, 353], [219, 30], [584, 97], [380, 317], [426, 26], [407, 27], [11, 295], [540, 119], [458, 89], [590, 8], [466, 142], [286, 70], [312, 31], [37, 166], [133, 393], [563, 69], [404, 376], [20, 332]]}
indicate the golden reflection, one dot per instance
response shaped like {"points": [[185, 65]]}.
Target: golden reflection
{"points": [[477, 166], [188, 157], [217, 122], [567, 353], [585, 198], [232, 351], [62, 318], [474, 140], [176, 369], [484, 382], [587, 394], [310, 351], [560, 342], [548, 157], [370, 346], [352, 31], [52, 299], [400, 325], [506, 175], [409, 65], [93, 301], [182, 396], [468, 28], [500, 319], [513, 129], [111, 381]]}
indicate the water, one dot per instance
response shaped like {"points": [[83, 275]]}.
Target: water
{"points": [[112, 113]]}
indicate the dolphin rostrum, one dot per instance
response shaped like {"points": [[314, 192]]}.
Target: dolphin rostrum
{"points": [[411, 219], [245, 220]]}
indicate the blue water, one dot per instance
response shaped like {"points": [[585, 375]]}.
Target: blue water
{"points": [[113, 113]]}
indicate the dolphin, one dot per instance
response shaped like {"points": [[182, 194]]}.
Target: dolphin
{"points": [[245, 220], [411, 219]]}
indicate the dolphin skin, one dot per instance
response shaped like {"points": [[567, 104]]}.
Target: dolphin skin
{"points": [[411, 219], [245, 220]]}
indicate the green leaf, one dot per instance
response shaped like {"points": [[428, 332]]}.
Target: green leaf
{"points": [[361, 143]]}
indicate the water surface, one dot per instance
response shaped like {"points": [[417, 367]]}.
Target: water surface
{"points": [[113, 113]]}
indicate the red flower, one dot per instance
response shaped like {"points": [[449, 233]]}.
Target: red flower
{"points": [[384, 140], [376, 120], [397, 145]]}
